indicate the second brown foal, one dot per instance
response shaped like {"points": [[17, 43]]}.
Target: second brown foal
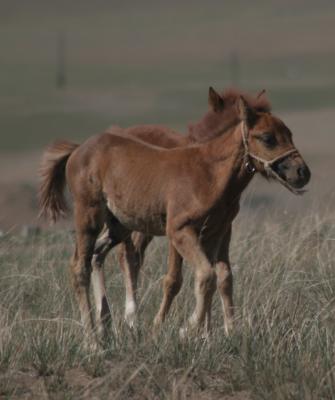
{"points": [[191, 194], [131, 252]]}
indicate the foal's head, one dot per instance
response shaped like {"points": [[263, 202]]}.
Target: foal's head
{"points": [[268, 145], [223, 114], [269, 148]]}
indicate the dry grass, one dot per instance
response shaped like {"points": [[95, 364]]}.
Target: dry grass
{"points": [[282, 348], [283, 345]]}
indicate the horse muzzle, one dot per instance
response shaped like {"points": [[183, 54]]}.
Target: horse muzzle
{"points": [[295, 173]]}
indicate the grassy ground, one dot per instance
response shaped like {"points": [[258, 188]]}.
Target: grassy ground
{"points": [[152, 62], [282, 348]]}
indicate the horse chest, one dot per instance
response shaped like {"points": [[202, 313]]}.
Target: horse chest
{"points": [[215, 228], [210, 234]]}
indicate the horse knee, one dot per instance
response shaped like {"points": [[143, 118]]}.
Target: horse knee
{"points": [[97, 261], [129, 258], [172, 285], [207, 281], [224, 277], [99, 256], [226, 284], [80, 275]]}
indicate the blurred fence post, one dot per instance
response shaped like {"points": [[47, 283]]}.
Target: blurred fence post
{"points": [[234, 68], [61, 74]]}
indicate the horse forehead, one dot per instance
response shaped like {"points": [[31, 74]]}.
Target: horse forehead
{"points": [[273, 123]]}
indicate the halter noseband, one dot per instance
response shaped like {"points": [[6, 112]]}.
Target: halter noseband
{"points": [[267, 164]]}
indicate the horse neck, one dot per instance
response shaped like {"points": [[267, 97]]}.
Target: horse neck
{"points": [[226, 156], [207, 128]]}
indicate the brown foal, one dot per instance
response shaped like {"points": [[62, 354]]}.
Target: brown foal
{"points": [[131, 252], [190, 193]]}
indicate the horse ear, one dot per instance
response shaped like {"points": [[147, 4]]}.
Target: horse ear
{"points": [[260, 94], [215, 101], [245, 112]]}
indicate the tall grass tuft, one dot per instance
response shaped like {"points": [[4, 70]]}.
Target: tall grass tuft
{"points": [[282, 346]]}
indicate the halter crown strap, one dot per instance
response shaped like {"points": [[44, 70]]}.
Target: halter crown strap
{"points": [[267, 164]]}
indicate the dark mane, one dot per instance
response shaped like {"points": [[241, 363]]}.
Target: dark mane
{"points": [[214, 123]]}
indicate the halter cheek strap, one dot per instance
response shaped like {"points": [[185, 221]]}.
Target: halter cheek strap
{"points": [[267, 164]]}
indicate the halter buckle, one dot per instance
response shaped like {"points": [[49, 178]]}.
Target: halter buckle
{"points": [[249, 167]]}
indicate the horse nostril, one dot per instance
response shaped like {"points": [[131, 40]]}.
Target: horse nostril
{"points": [[281, 169], [303, 172]]}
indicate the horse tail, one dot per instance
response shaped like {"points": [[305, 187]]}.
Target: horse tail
{"points": [[52, 174]]}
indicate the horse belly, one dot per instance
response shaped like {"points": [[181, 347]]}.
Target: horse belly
{"points": [[154, 224]]}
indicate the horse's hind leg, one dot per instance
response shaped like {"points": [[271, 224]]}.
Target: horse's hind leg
{"points": [[88, 222], [131, 256], [171, 285], [102, 307], [112, 235]]}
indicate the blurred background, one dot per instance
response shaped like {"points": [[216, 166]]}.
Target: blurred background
{"points": [[71, 69]]}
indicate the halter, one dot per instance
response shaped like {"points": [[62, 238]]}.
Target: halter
{"points": [[267, 164]]}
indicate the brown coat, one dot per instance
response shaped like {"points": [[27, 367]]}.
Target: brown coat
{"points": [[190, 193]]}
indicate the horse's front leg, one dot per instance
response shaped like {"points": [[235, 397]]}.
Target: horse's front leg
{"points": [[225, 286], [225, 282], [187, 244]]}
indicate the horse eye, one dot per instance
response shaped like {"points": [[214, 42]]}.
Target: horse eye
{"points": [[268, 139]]}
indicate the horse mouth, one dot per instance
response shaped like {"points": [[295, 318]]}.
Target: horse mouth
{"points": [[294, 185], [298, 183], [296, 176]]}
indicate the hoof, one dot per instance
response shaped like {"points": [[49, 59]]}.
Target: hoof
{"points": [[131, 321], [188, 332], [130, 316], [184, 333], [228, 328], [157, 327]]}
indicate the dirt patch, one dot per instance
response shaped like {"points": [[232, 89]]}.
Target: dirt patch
{"points": [[22, 385], [76, 383]]}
